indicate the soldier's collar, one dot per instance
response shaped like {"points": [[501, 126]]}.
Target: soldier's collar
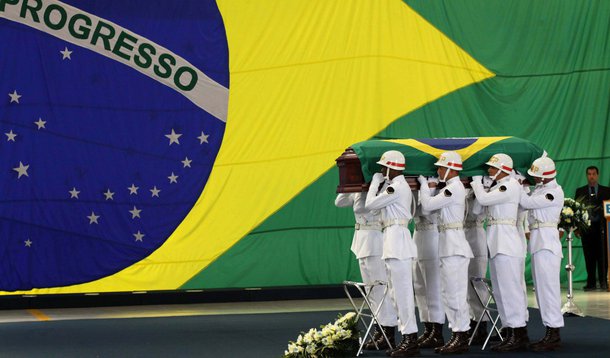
{"points": [[453, 179], [552, 183]]}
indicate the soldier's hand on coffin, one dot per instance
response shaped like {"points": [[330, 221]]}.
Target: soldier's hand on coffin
{"points": [[422, 180], [477, 178], [487, 181], [377, 177], [432, 182]]}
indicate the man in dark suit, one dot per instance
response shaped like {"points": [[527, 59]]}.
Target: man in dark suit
{"points": [[594, 243]]}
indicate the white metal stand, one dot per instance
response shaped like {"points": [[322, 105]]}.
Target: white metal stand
{"points": [[484, 292], [570, 308], [365, 291]]}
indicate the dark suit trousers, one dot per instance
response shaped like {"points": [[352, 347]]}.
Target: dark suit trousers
{"points": [[593, 246]]}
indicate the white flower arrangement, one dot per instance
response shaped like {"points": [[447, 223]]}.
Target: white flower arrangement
{"points": [[338, 339], [574, 215]]}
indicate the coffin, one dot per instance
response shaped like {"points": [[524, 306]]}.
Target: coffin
{"points": [[359, 162]]}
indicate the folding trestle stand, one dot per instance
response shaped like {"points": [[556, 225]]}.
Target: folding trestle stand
{"points": [[364, 311]]}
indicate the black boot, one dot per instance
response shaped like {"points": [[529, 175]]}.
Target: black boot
{"points": [[480, 335], [506, 333], [379, 342], [517, 342], [472, 325], [435, 339], [457, 345], [427, 332], [453, 338], [407, 347], [550, 342]]}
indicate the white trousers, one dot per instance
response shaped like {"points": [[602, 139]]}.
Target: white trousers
{"points": [[477, 268], [454, 288], [427, 287], [507, 276], [372, 268], [546, 268], [400, 279]]}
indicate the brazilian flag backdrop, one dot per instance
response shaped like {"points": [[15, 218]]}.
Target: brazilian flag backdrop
{"points": [[189, 145]]}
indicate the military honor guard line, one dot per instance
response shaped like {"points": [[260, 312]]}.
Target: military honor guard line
{"points": [[458, 232]]}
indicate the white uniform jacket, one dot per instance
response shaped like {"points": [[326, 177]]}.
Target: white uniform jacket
{"points": [[545, 204], [473, 225], [394, 200], [451, 201], [426, 233], [368, 238], [502, 202], [522, 214]]}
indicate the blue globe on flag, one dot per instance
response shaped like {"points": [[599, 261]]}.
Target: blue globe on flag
{"points": [[112, 116]]}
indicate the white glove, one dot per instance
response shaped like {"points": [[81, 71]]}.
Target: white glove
{"points": [[487, 181], [377, 177], [422, 180], [477, 178], [433, 180]]}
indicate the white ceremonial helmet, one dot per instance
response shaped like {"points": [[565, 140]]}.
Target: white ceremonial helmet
{"points": [[451, 160], [393, 159], [543, 167], [502, 162]]}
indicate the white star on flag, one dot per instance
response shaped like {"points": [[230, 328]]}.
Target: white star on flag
{"points": [[28, 243], [186, 162], [66, 53], [173, 137], [11, 136], [74, 193], [135, 213], [40, 123], [93, 218], [109, 195], [203, 138], [22, 170], [139, 236], [133, 189], [155, 191], [14, 96], [173, 178]]}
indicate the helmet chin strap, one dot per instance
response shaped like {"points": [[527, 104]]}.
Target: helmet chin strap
{"points": [[387, 173], [444, 178], [493, 178]]}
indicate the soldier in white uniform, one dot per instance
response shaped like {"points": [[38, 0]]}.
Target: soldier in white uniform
{"points": [[476, 237], [545, 204], [367, 245], [506, 249], [427, 275], [454, 251], [391, 193]]}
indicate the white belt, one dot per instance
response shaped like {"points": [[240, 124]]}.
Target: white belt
{"points": [[391, 222], [472, 224], [538, 225], [511, 222], [425, 226], [450, 226], [369, 226]]}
